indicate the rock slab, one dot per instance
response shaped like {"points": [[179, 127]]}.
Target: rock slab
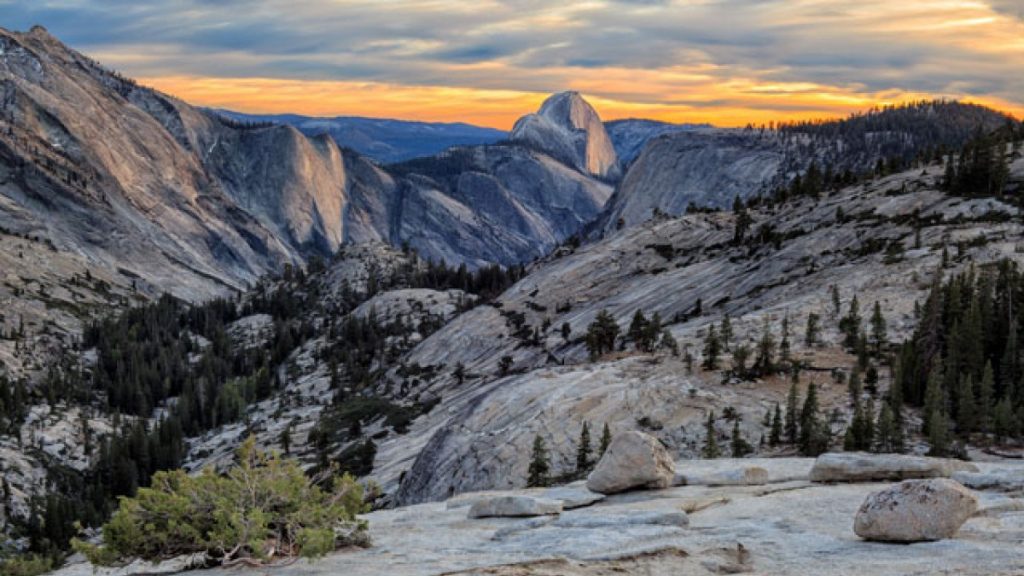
{"points": [[633, 460], [864, 467], [514, 506], [915, 511], [747, 476]]}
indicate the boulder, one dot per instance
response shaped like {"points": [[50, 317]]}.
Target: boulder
{"points": [[514, 506], [864, 467], [746, 476], [915, 511], [633, 460]]}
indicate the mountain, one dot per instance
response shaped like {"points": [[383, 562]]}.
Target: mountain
{"points": [[629, 136], [384, 140], [569, 129], [184, 200], [709, 167]]}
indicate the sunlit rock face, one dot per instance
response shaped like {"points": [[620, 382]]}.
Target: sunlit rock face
{"points": [[569, 129]]}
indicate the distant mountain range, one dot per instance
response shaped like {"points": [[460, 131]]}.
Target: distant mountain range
{"points": [[384, 140]]}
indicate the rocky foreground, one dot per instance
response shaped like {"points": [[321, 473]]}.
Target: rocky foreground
{"points": [[783, 523]]}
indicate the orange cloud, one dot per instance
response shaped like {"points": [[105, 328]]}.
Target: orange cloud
{"points": [[734, 102]]}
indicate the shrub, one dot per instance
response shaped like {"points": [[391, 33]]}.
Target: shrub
{"points": [[265, 510], [28, 565]]}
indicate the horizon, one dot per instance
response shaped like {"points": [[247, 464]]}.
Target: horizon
{"points": [[722, 62]]}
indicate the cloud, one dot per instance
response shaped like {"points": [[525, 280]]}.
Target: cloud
{"points": [[634, 55]]}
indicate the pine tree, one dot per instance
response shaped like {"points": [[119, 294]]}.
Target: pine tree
{"points": [[878, 329], [764, 363], [637, 328], [540, 466], [811, 333], [775, 438], [849, 325], [711, 349], [606, 440], [1002, 420], [583, 450], [986, 402], [836, 304], [740, 447], [938, 433], [710, 449], [885, 430], [934, 400], [966, 414], [812, 440], [726, 333], [792, 415]]}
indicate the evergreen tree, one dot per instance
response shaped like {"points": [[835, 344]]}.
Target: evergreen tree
{"points": [[966, 415], [740, 447], [540, 466], [886, 430], [583, 451], [792, 415], [878, 329], [985, 403], [938, 433], [934, 402], [606, 440], [775, 438], [712, 346], [637, 329], [726, 333], [764, 363], [601, 334], [849, 325], [710, 449], [811, 334], [813, 441]]}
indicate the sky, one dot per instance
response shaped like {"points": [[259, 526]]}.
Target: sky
{"points": [[487, 62]]}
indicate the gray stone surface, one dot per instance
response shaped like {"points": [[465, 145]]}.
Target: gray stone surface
{"points": [[865, 467], [1005, 480], [915, 511], [741, 476], [789, 529], [513, 506]]}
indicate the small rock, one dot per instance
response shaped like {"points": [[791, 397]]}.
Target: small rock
{"points": [[864, 467], [633, 460], [514, 506], [915, 511], [748, 476]]}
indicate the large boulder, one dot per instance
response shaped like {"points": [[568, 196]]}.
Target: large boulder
{"points": [[864, 467], [915, 511], [633, 460], [514, 506]]}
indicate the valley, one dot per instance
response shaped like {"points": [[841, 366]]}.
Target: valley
{"points": [[447, 323]]}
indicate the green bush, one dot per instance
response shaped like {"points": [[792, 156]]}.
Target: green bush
{"points": [[29, 565], [264, 510]]}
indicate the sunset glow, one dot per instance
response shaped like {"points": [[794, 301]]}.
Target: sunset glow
{"points": [[726, 62]]}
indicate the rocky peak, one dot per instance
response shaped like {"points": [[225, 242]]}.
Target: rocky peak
{"points": [[568, 128]]}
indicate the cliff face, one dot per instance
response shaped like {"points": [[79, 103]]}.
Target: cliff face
{"points": [[185, 200], [702, 167], [569, 129]]}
